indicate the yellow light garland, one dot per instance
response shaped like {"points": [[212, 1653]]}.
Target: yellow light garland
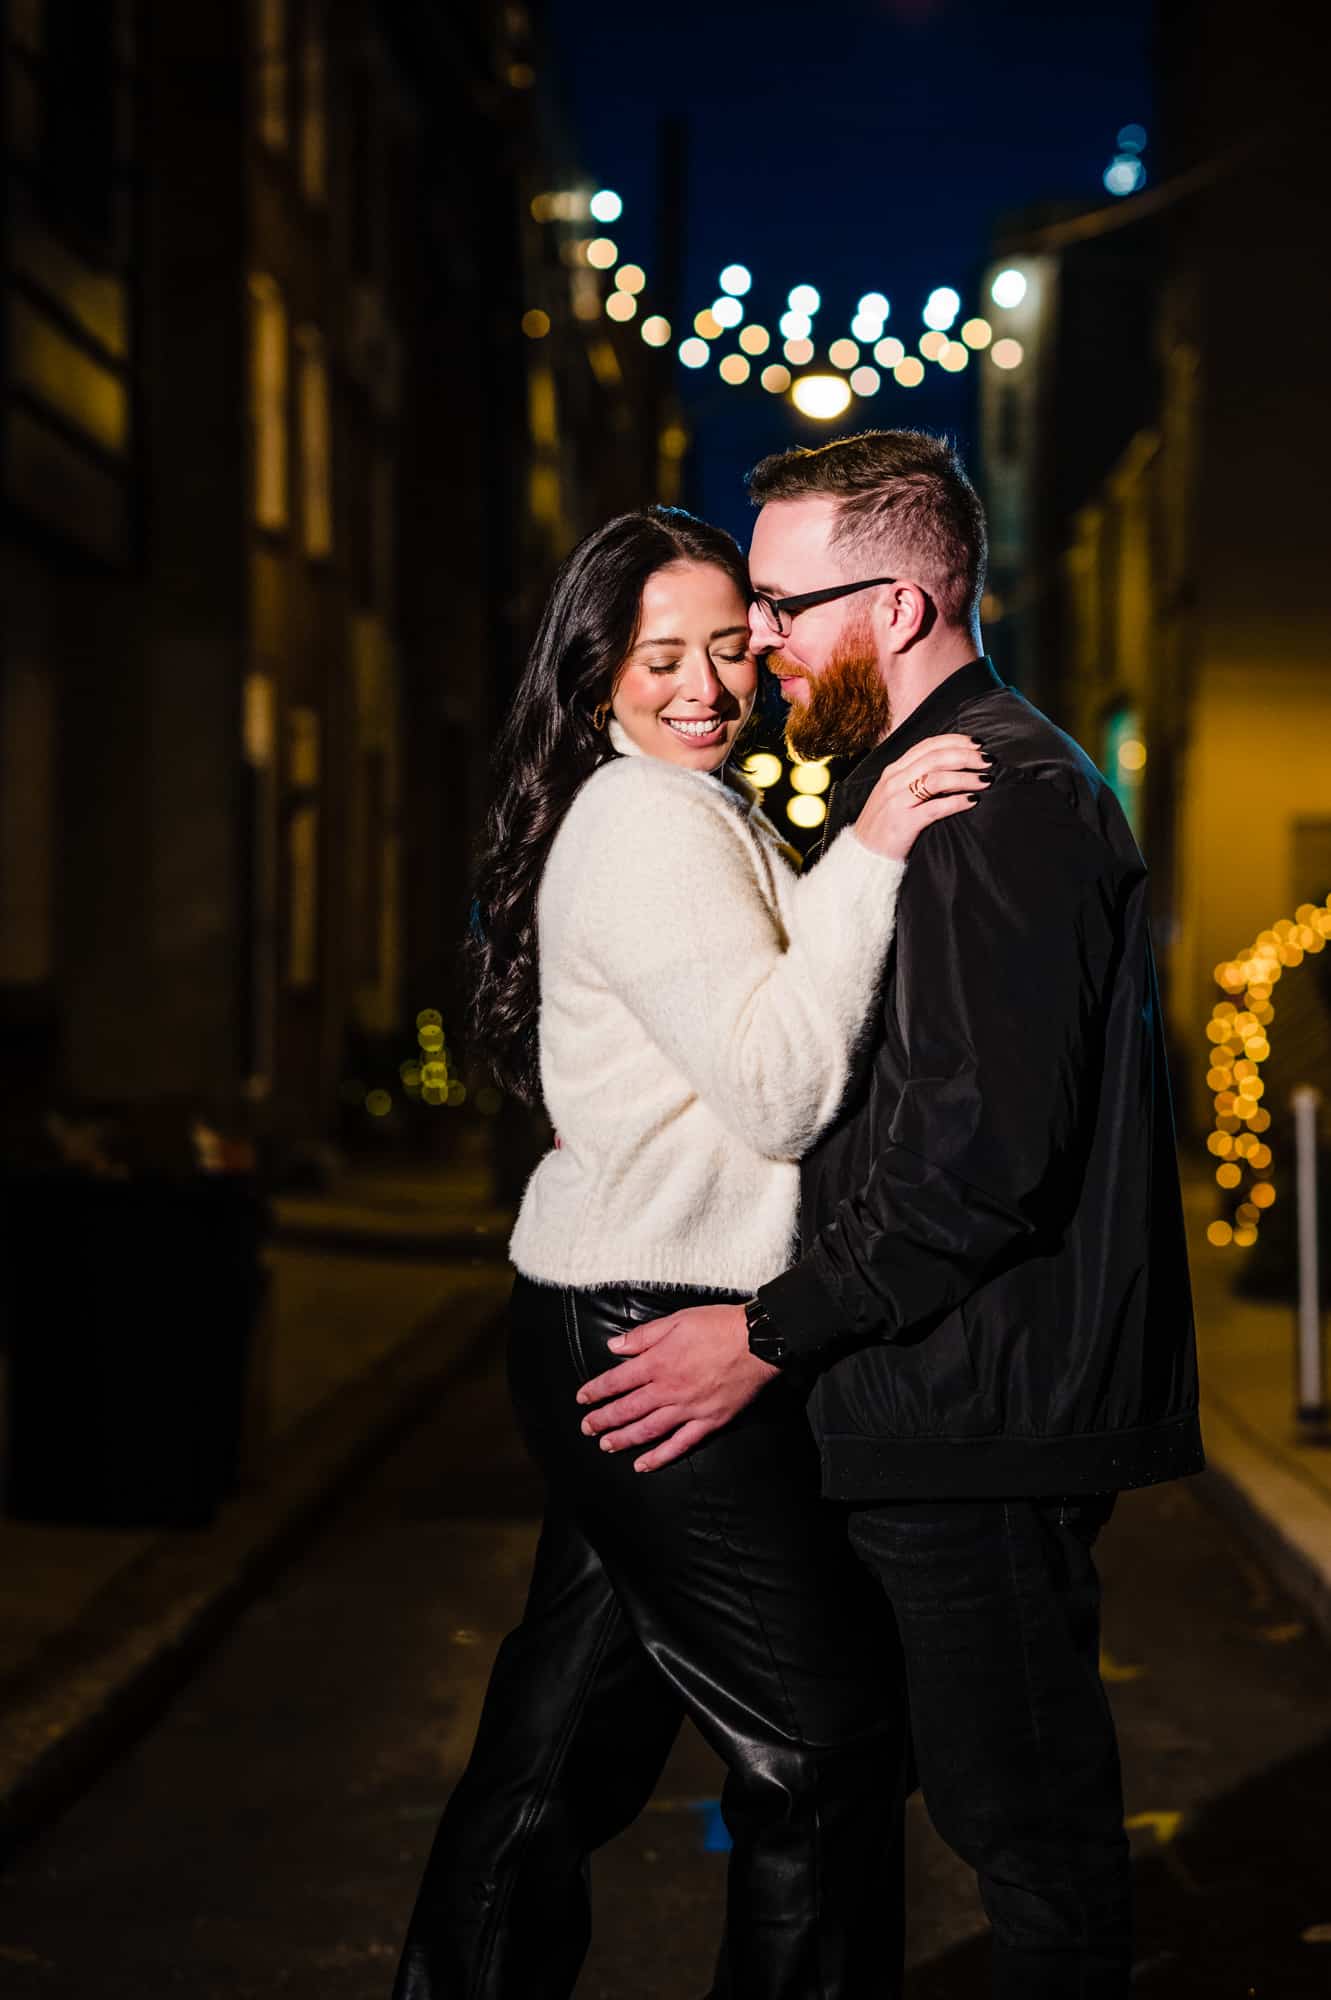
{"points": [[1237, 1046]]}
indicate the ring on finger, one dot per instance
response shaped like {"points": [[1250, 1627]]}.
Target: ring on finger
{"points": [[920, 789]]}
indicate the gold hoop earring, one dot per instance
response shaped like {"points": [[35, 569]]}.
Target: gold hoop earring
{"points": [[600, 715]]}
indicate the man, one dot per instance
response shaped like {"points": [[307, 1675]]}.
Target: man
{"points": [[992, 1300]]}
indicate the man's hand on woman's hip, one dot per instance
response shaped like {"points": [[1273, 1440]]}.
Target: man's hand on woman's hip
{"points": [[683, 1377]]}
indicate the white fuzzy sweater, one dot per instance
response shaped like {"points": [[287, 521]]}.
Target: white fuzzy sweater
{"points": [[700, 1002]]}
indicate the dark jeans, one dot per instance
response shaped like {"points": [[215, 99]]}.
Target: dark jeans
{"points": [[998, 1607], [722, 1587]]}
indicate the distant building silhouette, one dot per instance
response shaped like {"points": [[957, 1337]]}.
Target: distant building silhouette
{"points": [[285, 479], [1157, 476]]}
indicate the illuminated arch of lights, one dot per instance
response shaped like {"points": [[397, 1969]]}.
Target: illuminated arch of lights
{"points": [[856, 364], [1238, 1044]]}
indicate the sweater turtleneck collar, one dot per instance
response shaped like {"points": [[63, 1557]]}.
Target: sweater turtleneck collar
{"points": [[623, 745]]}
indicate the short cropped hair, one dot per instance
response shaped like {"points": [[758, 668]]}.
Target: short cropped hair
{"points": [[903, 498]]}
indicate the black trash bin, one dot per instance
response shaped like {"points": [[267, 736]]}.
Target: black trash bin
{"points": [[129, 1308]]}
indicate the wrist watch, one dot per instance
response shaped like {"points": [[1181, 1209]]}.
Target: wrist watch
{"points": [[765, 1341]]}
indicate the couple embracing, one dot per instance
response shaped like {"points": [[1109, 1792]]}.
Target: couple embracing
{"points": [[855, 1288]]}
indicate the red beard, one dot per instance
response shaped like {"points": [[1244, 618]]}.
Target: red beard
{"points": [[848, 710]]}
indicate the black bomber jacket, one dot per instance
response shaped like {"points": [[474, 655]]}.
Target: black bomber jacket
{"points": [[993, 1293]]}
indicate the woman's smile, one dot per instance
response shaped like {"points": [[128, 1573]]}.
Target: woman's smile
{"points": [[703, 730]]}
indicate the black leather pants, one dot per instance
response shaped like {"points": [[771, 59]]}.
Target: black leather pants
{"points": [[720, 1586]]}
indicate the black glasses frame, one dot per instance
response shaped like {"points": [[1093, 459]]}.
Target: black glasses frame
{"points": [[781, 612]]}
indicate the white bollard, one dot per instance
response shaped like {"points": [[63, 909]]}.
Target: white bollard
{"points": [[1311, 1370]]}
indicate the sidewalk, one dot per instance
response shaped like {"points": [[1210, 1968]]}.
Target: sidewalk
{"points": [[380, 1288], [1272, 1483]]}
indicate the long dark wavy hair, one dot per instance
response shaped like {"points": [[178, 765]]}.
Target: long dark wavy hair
{"points": [[548, 747]]}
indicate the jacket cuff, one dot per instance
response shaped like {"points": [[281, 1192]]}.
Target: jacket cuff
{"points": [[803, 1311]]}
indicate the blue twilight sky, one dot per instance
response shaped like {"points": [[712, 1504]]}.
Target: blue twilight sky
{"points": [[856, 145]]}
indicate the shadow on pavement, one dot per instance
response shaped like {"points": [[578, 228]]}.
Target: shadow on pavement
{"points": [[1223, 1911]]}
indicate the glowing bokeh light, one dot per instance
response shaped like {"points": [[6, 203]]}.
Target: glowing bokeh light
{"points": [[804, 299], [843, 354], [932, 344], [1008, 288], [707, 324], [727, 311], [866, 381], [606, 206], [630, 278], [1132, 139], [762, 769], [874, 305], [941, 308], [1007, 353], [805, 811], [954, 357], [602, 253], [694, 352], [977, 333], [798, 352], [1124, 174], [755, 339], [775, 379], [656, 330], [909, 373], [621, 306], [866, 328], [734, 369], [736, 279], [821, 396], [810, 779], [889, 352], [795, 325], [536, 324]]}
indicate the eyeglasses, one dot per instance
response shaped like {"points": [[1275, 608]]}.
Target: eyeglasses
{"points": [[781, 612]]}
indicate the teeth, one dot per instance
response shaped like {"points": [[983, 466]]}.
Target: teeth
{"points": [[693, 728]]}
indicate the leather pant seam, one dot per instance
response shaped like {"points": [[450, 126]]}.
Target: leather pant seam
{"points": [[540, 1799], [797, 1734], [569, 1301]]}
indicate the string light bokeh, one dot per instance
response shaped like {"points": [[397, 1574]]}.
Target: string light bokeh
{"points": [[1239, 1043], [855, 365]]}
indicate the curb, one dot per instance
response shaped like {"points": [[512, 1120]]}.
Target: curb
{"points": [[1285, 1517], [109, 1677]]}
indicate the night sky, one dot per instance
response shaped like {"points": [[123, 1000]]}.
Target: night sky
{"points": [[855, 145]]}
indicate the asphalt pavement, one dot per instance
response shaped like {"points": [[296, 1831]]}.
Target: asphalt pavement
{"points": [[266, 1837]]}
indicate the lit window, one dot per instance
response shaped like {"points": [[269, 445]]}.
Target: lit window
{"points": [[316, 442], [271, 71], [314, 104], [268, 401]]}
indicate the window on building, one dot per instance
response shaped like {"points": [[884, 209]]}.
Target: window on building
{"points": [[260, 855], [313, 404], [271, 72], [268, 401], [314, 103]]}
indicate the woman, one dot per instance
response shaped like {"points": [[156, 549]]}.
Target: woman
{"points": [[651, 966]]}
